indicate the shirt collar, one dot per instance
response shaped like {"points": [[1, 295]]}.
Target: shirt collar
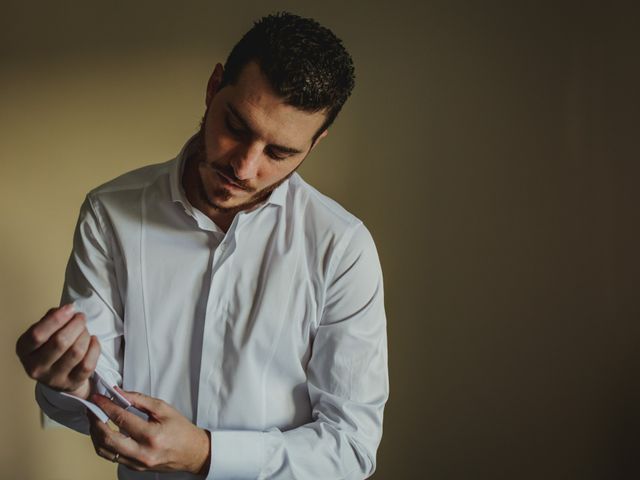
{"points": [[277, 197], [175, 175]]}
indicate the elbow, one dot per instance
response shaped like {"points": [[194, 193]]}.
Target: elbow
{"points": [[365, 458]]}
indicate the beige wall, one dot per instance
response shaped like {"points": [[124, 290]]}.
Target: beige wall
{"points": [[489, 146]]}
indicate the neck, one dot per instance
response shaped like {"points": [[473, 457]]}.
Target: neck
{"points": [[190, 184]]}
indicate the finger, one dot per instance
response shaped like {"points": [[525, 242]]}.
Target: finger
{"points": [[154, 406], [58, 343], [109, 440], [74, 355], [86, 367], [131, 463], [107, 443], [93, 419], [38, 333], [137, 428], [120, 458], [106, 454]]}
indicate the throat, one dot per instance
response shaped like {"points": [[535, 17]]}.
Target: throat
{"points": [[194, 190]]}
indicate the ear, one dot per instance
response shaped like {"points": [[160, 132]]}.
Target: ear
{"points": [[214, 83], [320, 137]]}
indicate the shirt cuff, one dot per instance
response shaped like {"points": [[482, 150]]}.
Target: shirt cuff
{"points": [[236, 454], [55, 399], [63, 410]]}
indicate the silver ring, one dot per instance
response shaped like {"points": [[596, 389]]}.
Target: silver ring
{"points": [[115, 459]]}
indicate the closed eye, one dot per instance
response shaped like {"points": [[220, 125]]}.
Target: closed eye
{"points": [[235, 131], [244, 133], [273, 155]]}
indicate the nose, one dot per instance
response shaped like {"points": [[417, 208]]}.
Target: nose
{"points": [[246, 161]]}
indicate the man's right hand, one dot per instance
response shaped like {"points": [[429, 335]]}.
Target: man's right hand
{"points": [[59, 352]]}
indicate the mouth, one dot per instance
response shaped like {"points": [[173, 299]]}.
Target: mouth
{"points": [[227, 182]]}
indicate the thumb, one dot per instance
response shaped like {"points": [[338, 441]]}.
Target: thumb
{"points": [[154, 406]]}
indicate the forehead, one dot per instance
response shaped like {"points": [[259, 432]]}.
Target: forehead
{"points": [[269, 116]]}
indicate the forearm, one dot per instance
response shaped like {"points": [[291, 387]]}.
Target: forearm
{"points": [[316, 450], [90, 284]]}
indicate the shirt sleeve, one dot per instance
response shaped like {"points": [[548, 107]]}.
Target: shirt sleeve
{"points": [[90, 282], [347, 379]]}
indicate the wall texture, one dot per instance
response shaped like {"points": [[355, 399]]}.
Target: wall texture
{"points": [[491, 148]]}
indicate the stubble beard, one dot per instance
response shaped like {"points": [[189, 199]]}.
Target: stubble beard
{"points": [[199, 159]]}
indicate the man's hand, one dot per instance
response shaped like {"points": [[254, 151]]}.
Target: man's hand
{"points": [[59, 352], [167, 442]]}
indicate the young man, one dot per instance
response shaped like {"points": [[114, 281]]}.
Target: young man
{"points": [[241, 309]]}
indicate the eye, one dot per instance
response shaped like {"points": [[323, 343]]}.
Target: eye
{"points": [[235, 131], [273, 155]]}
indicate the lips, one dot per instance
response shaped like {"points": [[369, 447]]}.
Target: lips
{"points": [[228, 181]]}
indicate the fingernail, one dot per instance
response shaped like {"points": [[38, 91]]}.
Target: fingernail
{"points": [[69, 307]]}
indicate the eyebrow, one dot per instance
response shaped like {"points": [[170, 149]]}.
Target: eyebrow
{"points": [[247, 127]]}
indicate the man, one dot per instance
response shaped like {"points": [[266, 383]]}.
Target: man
{"points": [[241, 309]]}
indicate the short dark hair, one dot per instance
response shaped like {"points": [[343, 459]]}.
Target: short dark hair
{"points": [[304, 62]]}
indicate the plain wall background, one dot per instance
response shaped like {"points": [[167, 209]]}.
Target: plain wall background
{"points": [[490, 147]]}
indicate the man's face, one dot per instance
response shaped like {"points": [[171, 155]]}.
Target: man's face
{"points": [[250, 141]]}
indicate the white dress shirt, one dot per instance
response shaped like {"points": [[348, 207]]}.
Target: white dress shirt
{"points": [[271, 336]]}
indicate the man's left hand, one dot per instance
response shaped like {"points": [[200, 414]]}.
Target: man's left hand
{"points": [[167, 442]]}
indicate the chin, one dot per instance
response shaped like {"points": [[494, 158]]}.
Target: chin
{"points": [[224, 201]]}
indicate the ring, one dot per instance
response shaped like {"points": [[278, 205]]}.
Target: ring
{"points": [[115, 459]]}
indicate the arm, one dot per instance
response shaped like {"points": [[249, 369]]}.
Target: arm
{"points": [[58, 351], [347, 382], [91, 283], [169, 441], [348, 387]]}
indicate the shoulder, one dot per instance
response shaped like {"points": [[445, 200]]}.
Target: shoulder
{"points": [[319, 211], [137, 179], [328, 226], [120, 199], [126, 190]]}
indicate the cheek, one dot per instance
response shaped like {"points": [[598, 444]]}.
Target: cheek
{"points": [[224, 146], [272, 173], [219, 146], [218, 143]]}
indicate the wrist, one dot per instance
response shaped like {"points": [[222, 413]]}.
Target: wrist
{"points": [[204, 463], [83, 391]]}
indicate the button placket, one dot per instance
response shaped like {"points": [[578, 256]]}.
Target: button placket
{"points": [[216, 316], [213, 351]]}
